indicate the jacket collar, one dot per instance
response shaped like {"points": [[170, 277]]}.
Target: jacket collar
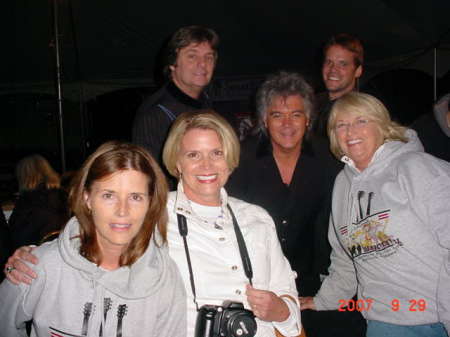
{"points": [[183, 206], [186, 99]]}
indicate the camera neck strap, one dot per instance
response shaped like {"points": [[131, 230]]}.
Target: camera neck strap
{"points": [[246, 263]]}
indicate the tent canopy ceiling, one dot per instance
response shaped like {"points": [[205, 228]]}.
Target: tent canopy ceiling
{"points": [[117, 42]]}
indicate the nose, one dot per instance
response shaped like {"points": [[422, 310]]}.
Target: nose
{"points": [[206, 162], [122, 207], [286, 121], [201, 61], [332, 66]]}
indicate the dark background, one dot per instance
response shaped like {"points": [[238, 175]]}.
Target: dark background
{"points": [[110, 55]]}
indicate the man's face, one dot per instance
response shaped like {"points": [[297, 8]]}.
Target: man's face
{"points": [[286, 123], [193, 68], [339, 71]]}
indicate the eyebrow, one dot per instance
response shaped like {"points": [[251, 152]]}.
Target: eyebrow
{"points": [[279, 112]]}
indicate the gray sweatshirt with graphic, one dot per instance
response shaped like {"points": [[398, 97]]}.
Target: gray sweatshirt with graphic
{"points": [[73, 297], [390, 233]]}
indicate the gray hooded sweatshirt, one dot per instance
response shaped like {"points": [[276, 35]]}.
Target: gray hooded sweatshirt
{"points": [[73, 297], [390, 233]]}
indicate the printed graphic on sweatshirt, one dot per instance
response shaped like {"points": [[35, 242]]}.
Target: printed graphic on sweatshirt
{"points": [[368, 235], [88, 311]]}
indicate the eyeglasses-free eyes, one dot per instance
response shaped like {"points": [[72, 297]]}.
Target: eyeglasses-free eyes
{"points": [[357, 124]]}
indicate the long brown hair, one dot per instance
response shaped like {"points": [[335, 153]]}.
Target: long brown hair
{"points": [[108, 159]]}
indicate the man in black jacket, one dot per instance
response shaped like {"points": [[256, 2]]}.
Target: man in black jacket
{"points": [[190, 61], [284, 170]]}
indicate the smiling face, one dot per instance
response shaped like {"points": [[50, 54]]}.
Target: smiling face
{"points": [[339, 71], [193, 68], [286, 123], [358, 137], [119, 204], [201, 162]]}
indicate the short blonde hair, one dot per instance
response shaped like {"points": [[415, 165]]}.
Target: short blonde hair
{"points": [[366, 106], [34, 171], [200, 119]]}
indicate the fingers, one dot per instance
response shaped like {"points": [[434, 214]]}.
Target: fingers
{"points": [[18, 277], [266, 305], [16, 270], [25, 253]]}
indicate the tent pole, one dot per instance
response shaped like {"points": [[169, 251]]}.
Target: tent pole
{"points": [[435, 75], [58, 86]]}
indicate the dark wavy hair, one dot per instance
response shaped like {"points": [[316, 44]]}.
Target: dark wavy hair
{"points": [[185, 36]]}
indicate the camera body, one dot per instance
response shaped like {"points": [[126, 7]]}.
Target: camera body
{"points": [[228, 320]]}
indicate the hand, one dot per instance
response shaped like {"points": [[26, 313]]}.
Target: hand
{"points": [[21, 273], [307, 303], [266, 305]]}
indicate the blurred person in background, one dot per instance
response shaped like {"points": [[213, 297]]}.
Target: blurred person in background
{"points": [[41, 207]]}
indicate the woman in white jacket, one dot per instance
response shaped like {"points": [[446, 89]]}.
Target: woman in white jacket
{"points": [[390, 225]]}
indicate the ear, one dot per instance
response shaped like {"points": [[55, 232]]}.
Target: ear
{"points": [[358, 71], [172, 67], [87, 200], [178, 166]]}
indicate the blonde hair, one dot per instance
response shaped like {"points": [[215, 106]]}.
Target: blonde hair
{"points": [[35, 170], [206, 120], [110, 158], [366, 106]]}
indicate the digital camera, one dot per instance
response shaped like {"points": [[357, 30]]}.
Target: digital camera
{"points": [[228, 320]]}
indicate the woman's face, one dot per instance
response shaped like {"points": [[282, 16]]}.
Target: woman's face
{"points": [[201, 162], [119, 203], [358, 137]]}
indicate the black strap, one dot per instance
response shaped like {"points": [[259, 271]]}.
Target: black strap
{"points": [[246, 263], [182, 227]]}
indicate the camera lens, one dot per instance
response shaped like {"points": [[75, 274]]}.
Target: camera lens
{"points": [[241, 324]]}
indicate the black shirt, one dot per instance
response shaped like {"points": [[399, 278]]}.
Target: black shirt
{"points": [[300, 210], [157, 113]]}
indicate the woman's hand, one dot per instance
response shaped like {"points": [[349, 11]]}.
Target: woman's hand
{"points": [[266, 305], [307, 303], [20, 272]]}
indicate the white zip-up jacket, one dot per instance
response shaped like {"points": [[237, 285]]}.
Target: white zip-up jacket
{"points": [[217, 265]]}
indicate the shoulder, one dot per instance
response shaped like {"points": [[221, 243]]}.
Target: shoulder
{"points": [[421, 166], [47, 251], [150, 105], [249, 213]]}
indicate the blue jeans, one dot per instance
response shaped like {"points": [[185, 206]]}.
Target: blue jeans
{"points": [[381, 329]]}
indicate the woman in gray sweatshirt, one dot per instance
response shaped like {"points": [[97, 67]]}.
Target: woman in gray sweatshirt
{"points": [[390, 225], [109, 272]]}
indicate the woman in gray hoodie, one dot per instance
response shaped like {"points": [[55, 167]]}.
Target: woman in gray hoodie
{"points": [[109, 272], [389, 227]]}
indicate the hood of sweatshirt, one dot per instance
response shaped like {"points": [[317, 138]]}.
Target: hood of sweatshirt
{"points": [[384, 155], [145, 277], [440, 113]]}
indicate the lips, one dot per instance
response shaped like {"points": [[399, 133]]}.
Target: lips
{"points": [[120, 227], [207, 178], [354, 141]]}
